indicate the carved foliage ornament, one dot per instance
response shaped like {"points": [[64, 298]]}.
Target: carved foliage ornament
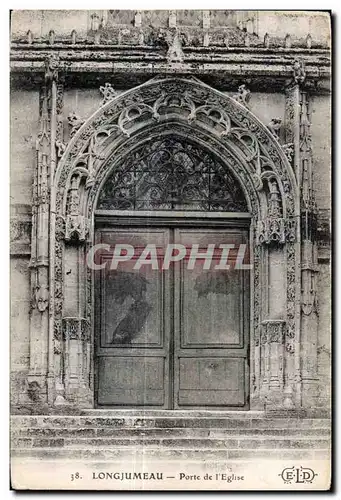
{"points": [[275, 126], [243, 96], [75, 122], [51, 67], [108, 93], [272, 331]]}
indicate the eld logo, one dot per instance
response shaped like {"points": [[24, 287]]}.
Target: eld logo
{"points": [[297, 475]]}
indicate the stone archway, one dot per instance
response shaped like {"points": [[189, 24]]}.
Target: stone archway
{"points": [[232, 133]]}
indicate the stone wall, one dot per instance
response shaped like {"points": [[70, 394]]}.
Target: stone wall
{"points": [[24, 130]]}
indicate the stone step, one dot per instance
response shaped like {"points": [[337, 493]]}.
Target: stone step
{"points": [[91, 432], [167, 422], [160, 455], [132, 436], [240, 414], [174, 443]]}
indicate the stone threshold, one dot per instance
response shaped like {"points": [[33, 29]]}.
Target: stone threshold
{"points": [[32, 410]]}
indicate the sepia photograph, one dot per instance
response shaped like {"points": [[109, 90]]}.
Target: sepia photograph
{"points": [[170, 250]]}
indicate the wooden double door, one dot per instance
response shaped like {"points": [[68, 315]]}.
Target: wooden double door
{"points": [[172, 327]]}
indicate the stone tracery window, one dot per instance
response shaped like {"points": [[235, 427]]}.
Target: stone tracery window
{"points": [[172, 173]]}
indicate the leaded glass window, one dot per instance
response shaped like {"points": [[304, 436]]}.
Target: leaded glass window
{"points": [[172, 174]]}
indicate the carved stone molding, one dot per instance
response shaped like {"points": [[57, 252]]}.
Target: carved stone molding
{"points": [[289, 151], [75, 122], [41, 297], [273, 331], [76, 228], [309, 224], [275, 126], [298, 69], [75, 329], [271, 231], [175, 40], [108, 93], [276, 231], [52, 66], [273, 362]]}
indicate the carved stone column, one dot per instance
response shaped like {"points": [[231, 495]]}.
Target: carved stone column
{"points": [[272, 351], [275, 234], [76, 339], [309, 269], [73, 367], [298, 134], [39, 264], [276, 391]]}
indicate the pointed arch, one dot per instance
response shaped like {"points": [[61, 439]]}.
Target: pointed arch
{"points": [[218, 120], [251, 154]]}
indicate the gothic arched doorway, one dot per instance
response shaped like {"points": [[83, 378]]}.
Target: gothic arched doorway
{"points": [[99, 165], [172, 281]]}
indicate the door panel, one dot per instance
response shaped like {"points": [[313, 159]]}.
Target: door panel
{"points": [[210, 308], [211, 381], [133, 347], [132, 380], [211, 323]]}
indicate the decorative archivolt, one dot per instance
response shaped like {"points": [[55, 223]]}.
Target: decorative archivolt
{"points": [[224, 126]]}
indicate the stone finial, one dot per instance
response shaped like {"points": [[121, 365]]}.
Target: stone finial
{"points": [[73, 37], [206, 39], [275, 126], [175, 52], [308, 41], [138, 19], [243, 96], [298, 71], [29, 36], [250, 26], [266, 41], [95, 22], [172, 19], [287, 42], [247, 40], [274, 199], [97, 38], [108, 93], [75, 122], [52, 37], [288, 150], [51, 66], [206, 21]]}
